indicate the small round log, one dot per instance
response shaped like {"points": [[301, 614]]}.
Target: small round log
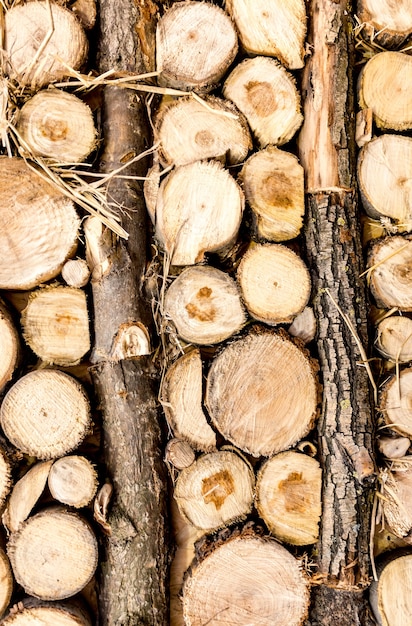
{"points": [[267, 95], [262, 392], [199, 209], [189, 130], [196, 42], [385, 22], [394, 338], [9, 346], [56, 325], [76, 273], [57, 125], [247, 580], [390, 595], [384, 88], [32, 612], [38, 226], [42, 41], [216, 490], [395, 402], [393, 447], [275, 28], [181, 397], [86, 12], [25, 494], [275, 283], [72, 480], [304, 326], [391, 276], [384, 177], [273, 182], [6, 578], [288, 497], [179, 453], [54, 554], [205, 306], [46, 414]]}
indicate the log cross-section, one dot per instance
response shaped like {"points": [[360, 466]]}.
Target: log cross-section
{"points": [[334, 257]]}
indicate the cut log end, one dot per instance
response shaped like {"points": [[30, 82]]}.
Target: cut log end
{"points": [[72, 480], [390, 596], [9, 346], [390, 263]]}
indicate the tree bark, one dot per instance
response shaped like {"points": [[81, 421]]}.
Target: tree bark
{"points": [[334, 256], [134, 563]]}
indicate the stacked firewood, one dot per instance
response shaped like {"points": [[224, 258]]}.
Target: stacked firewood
{"points": [[240, 391], [384, 176], [48, 482]]}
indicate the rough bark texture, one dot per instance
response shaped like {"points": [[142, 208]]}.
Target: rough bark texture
{"points": [[334, 256], [134, 563]]}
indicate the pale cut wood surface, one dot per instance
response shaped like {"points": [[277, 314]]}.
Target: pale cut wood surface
{"points": [[179, 453], [397, 498], [46, 414], [9, 346], [76, 273], [391, 278], [267, 95], [181, 397], [41, 42], [215, 491], [393, 447], [390, 596], [396, 402], [275, 283], [262, 392], [54, 554], [199, 209], [38, 227], [273, 182], [205, 305], [33, 612], [25, 494], [387, 23], [288, 497], [274, 28], [384, 177], [394, 338], [383, 87], [57, 125], [189, 130], [56, 325], [196, 42], [72, 480], [6, 582], [246, 580]]}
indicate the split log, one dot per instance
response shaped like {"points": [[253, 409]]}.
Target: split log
{"points": [[42, 41], [76, 273], [396, 402], [384, 22], [56, 325], [275, 283], [390, 596], [199, 209], [54, 554], [273, 182], [288, 497], [31, 612], [394, 338], [205, 306], [383, 87], [389, 263], [189, 130], [384, 166], [262, 392], [25, 494], [195, 45], [38, 226], [57, 125], [304, 326], [9, 346], [272, 29], [6, 587], [125, 380], [46, 414], [216, 490], [181, 397], [267, 95], [246, 578], [334, 256], [396, 504], [72, 480]]}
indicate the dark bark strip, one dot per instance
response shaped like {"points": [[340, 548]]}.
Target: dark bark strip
{"points": [[334, 256], [133, 588]]}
